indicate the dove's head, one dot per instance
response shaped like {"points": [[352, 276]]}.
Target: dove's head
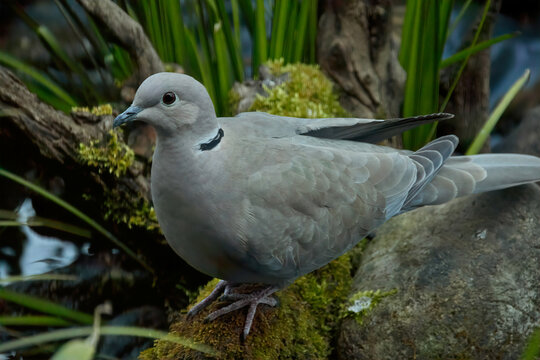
{"points": [[171, 103]]}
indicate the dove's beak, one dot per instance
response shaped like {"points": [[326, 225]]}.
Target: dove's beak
{"points": [[129, 115]]}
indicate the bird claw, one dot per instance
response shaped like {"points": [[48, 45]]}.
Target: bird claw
{"points": [[239, 301]]}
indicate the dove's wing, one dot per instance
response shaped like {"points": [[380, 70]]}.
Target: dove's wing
{"points": [[309, 203], [367, 130]]}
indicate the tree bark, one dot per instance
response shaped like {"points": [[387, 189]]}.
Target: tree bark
{"points": [[356, 50], [57, 136]]}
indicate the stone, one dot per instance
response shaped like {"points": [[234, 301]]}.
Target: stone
{"points": [[454, 281]]}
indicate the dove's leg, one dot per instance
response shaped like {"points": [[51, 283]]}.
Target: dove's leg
{"points": [[243, 300], [220, 287]]}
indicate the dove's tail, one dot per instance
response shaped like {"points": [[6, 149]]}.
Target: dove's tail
{"points": [[464, 175]]}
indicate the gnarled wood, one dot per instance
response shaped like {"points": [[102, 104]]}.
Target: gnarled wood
{"points": [[356, 50], [128, 33]]}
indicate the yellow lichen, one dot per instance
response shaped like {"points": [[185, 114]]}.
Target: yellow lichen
{"points": [[360, 303], [307, 93], [113, 157], [99, 110]]}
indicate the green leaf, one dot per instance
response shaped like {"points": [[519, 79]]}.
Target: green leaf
{"points": [[471, 50], [423, 37], [464, 63], [488, 127], [45, 306], [233, 48], [224, 80], [43, 277], [11, 217], [70, 333], [301, 26], [40, 78], [279, 25], [260, 46], [33, 321], [75, 349]]}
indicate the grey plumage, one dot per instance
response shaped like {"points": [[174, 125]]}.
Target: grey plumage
{"points": [[279, 197]]}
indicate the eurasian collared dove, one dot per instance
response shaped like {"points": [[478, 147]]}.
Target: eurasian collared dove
{"points": [[259, 198]]}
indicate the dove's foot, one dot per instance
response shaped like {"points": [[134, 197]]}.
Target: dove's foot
{"points": [[240, 300]]}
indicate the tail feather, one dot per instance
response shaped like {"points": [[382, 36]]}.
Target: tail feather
{"points": [[464, 175]]}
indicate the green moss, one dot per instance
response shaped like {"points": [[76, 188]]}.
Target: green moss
{"points": [[307, 93], [112, 156], [131, 211], [362, 302], [302, 326]]}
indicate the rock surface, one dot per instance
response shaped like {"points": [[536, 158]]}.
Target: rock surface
{"points": [[467, 276]]}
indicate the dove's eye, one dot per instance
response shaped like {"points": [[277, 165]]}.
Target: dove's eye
{"points": [[168, 98]]}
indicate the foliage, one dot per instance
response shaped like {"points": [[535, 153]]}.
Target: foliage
{"points": [[425, 30], [306, 93], [66, 81], [422, 43], [202, 36], [210, 48]]}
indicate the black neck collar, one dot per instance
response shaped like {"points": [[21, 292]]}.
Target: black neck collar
{"points": [[212, 143]]}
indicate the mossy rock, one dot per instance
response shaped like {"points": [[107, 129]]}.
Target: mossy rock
{"points": [[302, 326], [297, 90]]}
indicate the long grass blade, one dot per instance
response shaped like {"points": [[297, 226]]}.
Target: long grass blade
{"points": [[248, 14], [423, 38], [33, 321], [177, 34], [45, 306], [235, 9], [76, 31], [230, 40], [312, 34], [63, 334], [9, 218], [39, 277], [224, 81], [302, 26], [464, 63], [39, 77], [488, 127], [75, 212], [260, 42], [459, 16], [280, 23], [471, 50]]}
